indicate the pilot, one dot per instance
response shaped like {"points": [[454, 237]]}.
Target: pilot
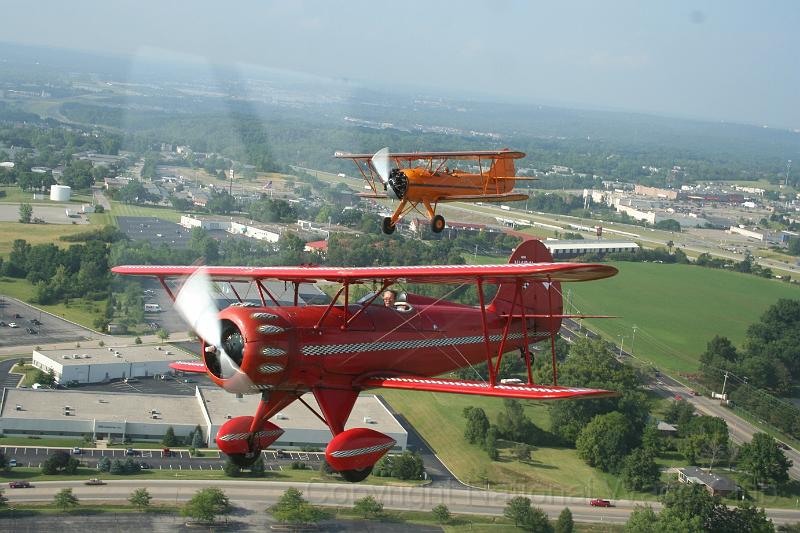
{"points": [[389, 298]]}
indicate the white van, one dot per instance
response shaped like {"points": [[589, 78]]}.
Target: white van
{"points": [[152, 308]]}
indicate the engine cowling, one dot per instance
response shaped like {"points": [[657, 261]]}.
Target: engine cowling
{"points": [[257, 340], [397, 185]]}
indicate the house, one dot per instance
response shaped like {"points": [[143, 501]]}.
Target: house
{"points": [[666, 430], [715, 484], [318, 247]]}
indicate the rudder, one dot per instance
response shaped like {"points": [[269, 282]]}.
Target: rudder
{"points": [[538, 298]]}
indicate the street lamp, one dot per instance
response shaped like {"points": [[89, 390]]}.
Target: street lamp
{"points": [[621, 344], [634, 327]]}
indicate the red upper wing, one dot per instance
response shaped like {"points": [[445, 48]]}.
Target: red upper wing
{"points": [[541, 272]]}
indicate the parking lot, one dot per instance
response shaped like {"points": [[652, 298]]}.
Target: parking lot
{"points": [[177, 460], [155, 231], [179, 384], [51, 214], [51, 330]]}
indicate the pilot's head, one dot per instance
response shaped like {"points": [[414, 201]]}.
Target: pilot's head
{"points": [[389, 297]]}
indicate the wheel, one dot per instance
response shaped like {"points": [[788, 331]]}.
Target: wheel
{"points": [[437, 224], [387, 226], [244, 460], [354, 476]]}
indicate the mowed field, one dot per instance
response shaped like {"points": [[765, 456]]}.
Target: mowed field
{"points": [[676, 309], [552, 470], [36, 234]]}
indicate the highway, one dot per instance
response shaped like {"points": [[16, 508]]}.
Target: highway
{"points": [[740, 430], [260, 494]]}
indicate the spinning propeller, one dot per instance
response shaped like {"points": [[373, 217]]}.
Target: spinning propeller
{"points": [[195, 304], [394, 181], [380, 161]]}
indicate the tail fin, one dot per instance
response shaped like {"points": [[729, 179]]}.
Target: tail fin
{"points": [[503, 166], [538, 298]]}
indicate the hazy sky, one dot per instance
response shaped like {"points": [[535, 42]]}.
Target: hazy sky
{"points": [[731, 60]]}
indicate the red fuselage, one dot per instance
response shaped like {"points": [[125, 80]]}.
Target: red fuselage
{"points": [[287, 348]]}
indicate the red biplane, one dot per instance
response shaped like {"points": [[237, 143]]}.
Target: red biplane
{"points": [[434, 182], [335, 351]]}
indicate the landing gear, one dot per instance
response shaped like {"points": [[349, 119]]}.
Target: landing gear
{"points": [[244, 460], [354, 476], [387, 226], [437, 224]]}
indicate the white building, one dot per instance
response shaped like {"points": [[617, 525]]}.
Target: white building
{"points": [[96, 365], [146, 417], [750, 234], [573, 248], [247, 229]]}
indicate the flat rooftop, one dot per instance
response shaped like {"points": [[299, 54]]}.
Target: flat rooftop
{"points": [[139, 353], [220, 404], [49, 404], [107, 406]]}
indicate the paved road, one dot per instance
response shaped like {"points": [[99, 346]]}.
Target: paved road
{"points": [[254, 494], [740, 430]]}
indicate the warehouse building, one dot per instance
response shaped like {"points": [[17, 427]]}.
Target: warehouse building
{"points": [[115, 416], [97, 365], [566, 249]]}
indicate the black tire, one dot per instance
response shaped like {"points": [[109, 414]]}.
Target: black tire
{"points": [[387, 226], [354, 476], [244, 460], [437, 224]]}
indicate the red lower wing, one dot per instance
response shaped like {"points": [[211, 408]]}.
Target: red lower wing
{"points": [[189, 366], [480, 388]]}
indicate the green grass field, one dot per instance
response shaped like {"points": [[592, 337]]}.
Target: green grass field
{"points": [[552, 470], [36, 234], [677, 308], [119, 209]]}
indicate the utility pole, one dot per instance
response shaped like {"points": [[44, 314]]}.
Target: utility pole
{"points": [[634, 337], [621, 344], [724, 382]]}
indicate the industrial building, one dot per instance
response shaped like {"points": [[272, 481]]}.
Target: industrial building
{"points": [[146, 417], [97, 365], [574, 248]]}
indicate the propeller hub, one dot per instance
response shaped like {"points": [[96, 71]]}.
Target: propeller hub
{"points": [[397, 184]]}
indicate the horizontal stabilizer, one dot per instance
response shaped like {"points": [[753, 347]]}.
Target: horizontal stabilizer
{"points": [[189, 366], [480, 388], [372, 195]]}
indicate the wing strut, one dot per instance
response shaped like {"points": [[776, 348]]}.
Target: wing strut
{"points": [[552, 332], [486, 333], [261, 290]]}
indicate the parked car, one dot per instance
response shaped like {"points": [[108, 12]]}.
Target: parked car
{"points": [[12, 462], [3, 324], [20, 485], [17, 315], [13, 325], [36, 322], [166, 452], [131, 451], [145, 466], [77, 451], [597, 502], [95, 481]]}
